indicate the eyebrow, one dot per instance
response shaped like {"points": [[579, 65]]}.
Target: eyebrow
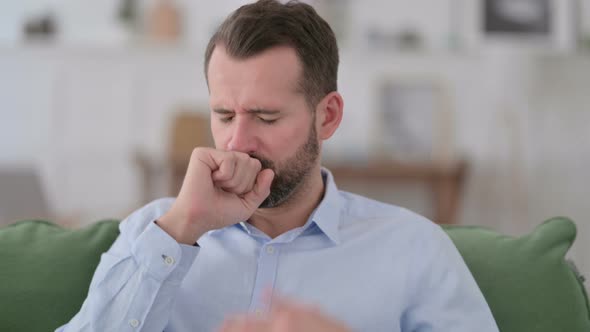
{"points": [[223, 111]]}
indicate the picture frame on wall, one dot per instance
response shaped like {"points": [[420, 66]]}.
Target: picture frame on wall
{"points": [[415, 121], [542, 25], [518, 17]]}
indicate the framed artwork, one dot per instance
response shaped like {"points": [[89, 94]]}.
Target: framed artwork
{"points": [[524, 17], [533, 24], [415, 121]]}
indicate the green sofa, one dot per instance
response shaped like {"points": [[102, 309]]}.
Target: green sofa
{"points": [[45, 272]]}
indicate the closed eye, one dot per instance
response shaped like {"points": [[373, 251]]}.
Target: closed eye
{"points": [[226, 119], [268, 121], [224, 115]]}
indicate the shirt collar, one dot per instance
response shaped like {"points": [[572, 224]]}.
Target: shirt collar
{"points": [[327, 215]]}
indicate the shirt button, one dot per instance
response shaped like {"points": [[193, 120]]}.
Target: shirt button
{"points": [[258, 312], [134, 323], [270, 250], [169, 260]]}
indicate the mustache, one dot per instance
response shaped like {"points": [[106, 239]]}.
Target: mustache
{"points": [[266, 163]]}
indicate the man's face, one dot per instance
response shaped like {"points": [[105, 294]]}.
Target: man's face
{"points": [[257, 109]]}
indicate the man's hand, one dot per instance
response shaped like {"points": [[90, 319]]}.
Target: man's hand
{"points": [[221, 188], [286, 316]]}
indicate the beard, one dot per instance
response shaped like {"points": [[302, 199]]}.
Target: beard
{"points": [[291, 174]]}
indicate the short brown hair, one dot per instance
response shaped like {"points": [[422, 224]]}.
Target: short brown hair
{"points": [[259, 26]]}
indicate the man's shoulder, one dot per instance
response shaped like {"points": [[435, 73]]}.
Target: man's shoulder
{"points": [[372, 214], [137, 221], [361, 207]]}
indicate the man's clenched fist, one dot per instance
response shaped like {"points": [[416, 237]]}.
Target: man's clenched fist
{"points": [[221, 188]]}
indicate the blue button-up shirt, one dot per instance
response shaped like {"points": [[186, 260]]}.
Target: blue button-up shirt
{"points": [[373, 266]]}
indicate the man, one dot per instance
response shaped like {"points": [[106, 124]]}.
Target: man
{"points": [[259, 238]]}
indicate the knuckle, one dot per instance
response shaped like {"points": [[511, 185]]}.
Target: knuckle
{"points": [[241, 190], [237, 154], [243, 157], [229, 185], [231, 157], [256, 163], [196, 152]]}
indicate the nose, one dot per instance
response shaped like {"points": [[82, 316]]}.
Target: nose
{"points": [[243, 136]]}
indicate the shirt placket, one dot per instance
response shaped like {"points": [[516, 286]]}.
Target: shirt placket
{"points": [[266, 273]]}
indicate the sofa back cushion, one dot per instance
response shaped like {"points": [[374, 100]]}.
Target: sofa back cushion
{"points": [[45, 272], [526, 280]]}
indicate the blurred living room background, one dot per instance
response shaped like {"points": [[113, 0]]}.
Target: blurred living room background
{"points": [[468, 111]]}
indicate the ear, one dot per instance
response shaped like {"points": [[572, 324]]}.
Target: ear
{"points": [[329, 114]]}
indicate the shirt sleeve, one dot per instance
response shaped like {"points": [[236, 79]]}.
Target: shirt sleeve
{"points": [[134, 285], [442, 293]]}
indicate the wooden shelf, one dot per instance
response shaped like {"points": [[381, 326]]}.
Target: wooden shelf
{"points": [[445, 181]]}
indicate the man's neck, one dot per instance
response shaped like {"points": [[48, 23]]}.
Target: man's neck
{"points": [[293, 213]]}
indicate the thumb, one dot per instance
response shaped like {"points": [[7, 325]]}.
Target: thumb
{"points": [[261, 188]]}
